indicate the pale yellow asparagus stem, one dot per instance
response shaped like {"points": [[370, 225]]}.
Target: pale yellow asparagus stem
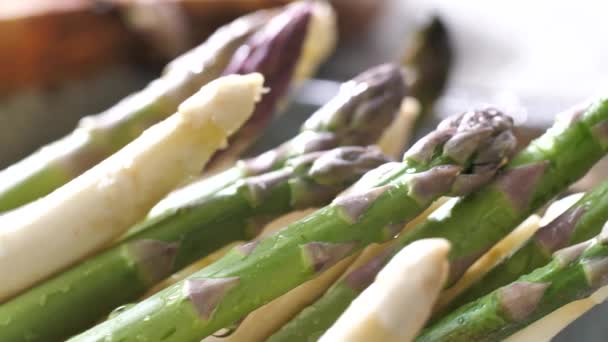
{"points": [[504, 248], [81, 217], [397, 304]]}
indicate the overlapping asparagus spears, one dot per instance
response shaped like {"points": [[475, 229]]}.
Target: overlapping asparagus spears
{"points": [[396, 306], [98, 136], [85, 215], [161, 245], [573, 273], [580, 222], [427, 61], [274, 49], [475, 223], [454, 159], [542, 170], [358, 115]]}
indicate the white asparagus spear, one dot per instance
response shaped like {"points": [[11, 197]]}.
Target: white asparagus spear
{"points": [[398, 303], [83, 216]]}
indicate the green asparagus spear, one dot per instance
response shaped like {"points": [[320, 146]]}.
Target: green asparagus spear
{"points": [[573, 273], [85, 293], [214, 217], [580, 222], [577, 140], [427, 60], [484, 216], [454, 159], [358, 115], [100, 135]]}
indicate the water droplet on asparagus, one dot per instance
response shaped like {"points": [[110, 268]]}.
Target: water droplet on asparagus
{"points": [[120, 310]]}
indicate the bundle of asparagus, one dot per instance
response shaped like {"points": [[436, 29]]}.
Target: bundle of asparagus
{"points": [[545, 164], [277, 45], [308, 170], [393, 285], [455, 159]]}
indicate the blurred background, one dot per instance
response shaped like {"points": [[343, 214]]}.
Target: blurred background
{"points": [[63, 59]]}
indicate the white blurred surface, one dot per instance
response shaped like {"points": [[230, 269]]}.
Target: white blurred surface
{"points": [[533, 48]]}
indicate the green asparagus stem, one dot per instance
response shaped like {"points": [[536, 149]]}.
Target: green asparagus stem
{"points": [[260, 42], [580, 222], [454, 159], [98, 136], [484, 216], [226, 211], [121, 274], [427, 61], [542, 170], [573, 273]]}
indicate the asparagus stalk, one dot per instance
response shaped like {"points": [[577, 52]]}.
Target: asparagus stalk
{"points": [[580, 222], [81, 217], [122, 273], [213, 217], [573, 273], [358, 115], [274, 51], [542, 170], [98, 136], [313, 321], [397, 304], [264, 321], [454, 159], [504, 199], [260, 42]]}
